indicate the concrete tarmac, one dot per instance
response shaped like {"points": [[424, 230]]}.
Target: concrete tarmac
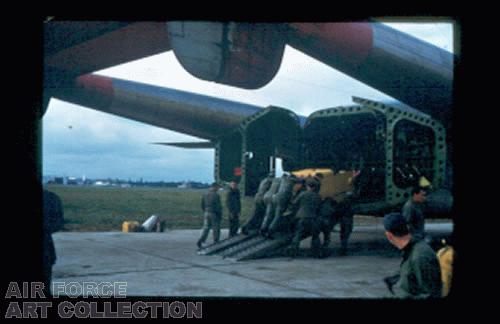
{"points": [[166, 264]]}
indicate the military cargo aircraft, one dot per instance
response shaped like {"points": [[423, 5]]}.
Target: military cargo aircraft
{"points": [[391, 142]]}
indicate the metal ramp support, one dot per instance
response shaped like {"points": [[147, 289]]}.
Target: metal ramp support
{"points": [[225, 244], [242, 246], [262, 249]]}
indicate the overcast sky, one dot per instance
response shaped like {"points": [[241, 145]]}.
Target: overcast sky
{"points": [[79, 141]]}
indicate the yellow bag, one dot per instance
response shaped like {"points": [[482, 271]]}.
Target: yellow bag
{"points": [[446, 256], [130, 226]]}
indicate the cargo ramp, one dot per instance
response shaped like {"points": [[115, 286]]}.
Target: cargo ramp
{"points": [[245, 247]]}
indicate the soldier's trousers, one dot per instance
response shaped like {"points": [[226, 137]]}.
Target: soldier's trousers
{"points": [[234, 224], [345, 230], [210, 221], [326, 227], [278, 216], [268, 218], [346, 225], [305, 226]]}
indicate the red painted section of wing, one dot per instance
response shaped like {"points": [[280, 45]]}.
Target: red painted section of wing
{"points": [[350, 43]]}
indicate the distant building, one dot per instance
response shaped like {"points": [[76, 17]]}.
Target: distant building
{"points": [[59, 180], [101, 183], [71, 181]]}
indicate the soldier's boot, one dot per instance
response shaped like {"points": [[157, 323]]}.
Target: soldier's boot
{"points": [[199, 244], [264, 230], [316, 247], [325, 250], [326, 240], [345, 233], [343, 248], [244, 230]]}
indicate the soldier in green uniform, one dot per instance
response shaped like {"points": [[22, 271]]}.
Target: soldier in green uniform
{"points": [[344, 215], [330, 214], [281, 200], [413, 212], [212, 214], [318, 177], [308, 203], [270, 206], [233, 204], [420, 273], [327, 220], [259, 209]]}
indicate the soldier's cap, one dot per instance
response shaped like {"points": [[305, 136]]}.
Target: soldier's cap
{"points": [[395, 223], [312, 182], [319, 175]]}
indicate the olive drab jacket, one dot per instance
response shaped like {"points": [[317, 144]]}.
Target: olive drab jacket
{"points": [[414, 216], [307, 204], [211, 202], [420, 273], [263, 188], [233, 201]]}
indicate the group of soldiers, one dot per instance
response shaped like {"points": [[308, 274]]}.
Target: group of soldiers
{"points": [[283, 205], [212, 211], [419, 274], [292, 206]]}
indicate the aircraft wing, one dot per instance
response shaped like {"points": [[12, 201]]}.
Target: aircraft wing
{"points": [[181, 111], [77, 48], [247, 55], [190, 145]]}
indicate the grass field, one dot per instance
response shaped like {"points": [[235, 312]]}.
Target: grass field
{"points": [[106, 208]]}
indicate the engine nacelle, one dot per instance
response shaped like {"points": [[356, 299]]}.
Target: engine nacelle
{"points": [[237, 54]]}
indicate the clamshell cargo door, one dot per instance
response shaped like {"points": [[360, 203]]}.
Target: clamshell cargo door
{"points": [[415, 147], [250, 152], [349, 138]]}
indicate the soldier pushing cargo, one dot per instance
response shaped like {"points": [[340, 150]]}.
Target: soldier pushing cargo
{"points": [[330, 214], [327, 220], [280, 202], [270, 207], [259, 209], [345, 216], [307, 204]]}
